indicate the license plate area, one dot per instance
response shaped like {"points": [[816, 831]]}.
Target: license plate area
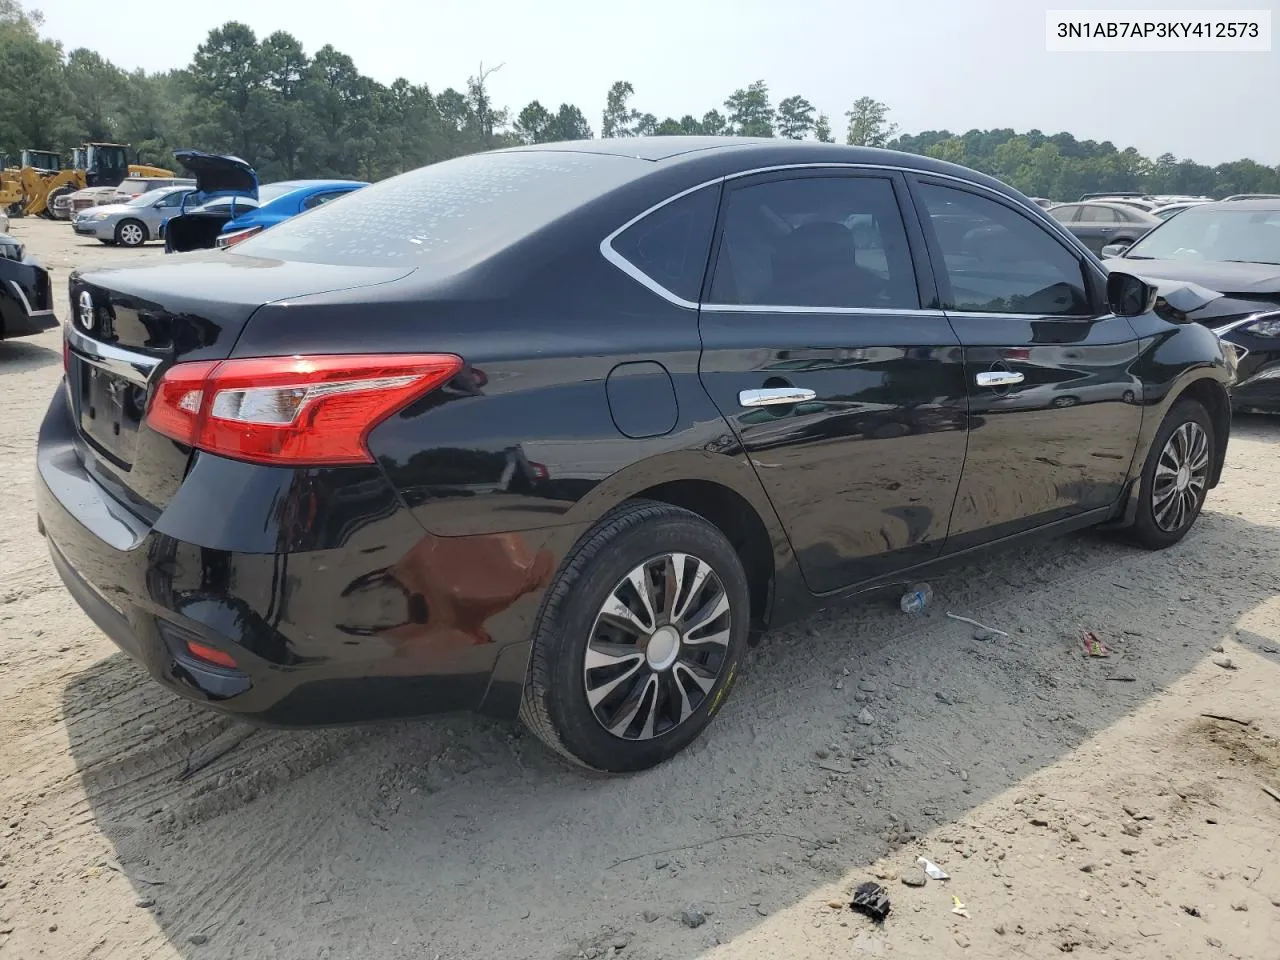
{"points": [[110, 410]]}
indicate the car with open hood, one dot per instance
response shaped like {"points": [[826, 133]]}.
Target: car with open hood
{"points": [[1232, 247], [217, 177], [26, 292], [552, 431]]}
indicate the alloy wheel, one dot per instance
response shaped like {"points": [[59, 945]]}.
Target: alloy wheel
{"points": [[1181, 478], [131, 235], [658, 645]]}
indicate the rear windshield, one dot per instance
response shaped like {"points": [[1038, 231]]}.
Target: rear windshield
{"points": [[450, 215]]}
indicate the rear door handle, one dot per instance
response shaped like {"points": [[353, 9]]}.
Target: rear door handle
{"points": [[998, 378], [769, 396]]}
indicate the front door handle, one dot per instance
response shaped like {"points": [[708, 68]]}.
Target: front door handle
{"points": [[768, 396], [998, 378]]}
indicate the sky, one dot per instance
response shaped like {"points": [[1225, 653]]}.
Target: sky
{"points": [[953, 64]]}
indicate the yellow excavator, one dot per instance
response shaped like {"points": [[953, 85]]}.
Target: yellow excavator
{"points": [[43, 180]]}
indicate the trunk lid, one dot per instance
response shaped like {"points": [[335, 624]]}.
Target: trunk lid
{"points": [[128, 324], [218, 175]]}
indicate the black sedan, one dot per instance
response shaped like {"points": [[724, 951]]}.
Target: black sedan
{"points": [[1232, 248], [1098, 224], [26, 294], [550, 431]]}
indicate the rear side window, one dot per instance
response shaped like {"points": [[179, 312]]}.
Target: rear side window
{"points": [[670, 245], [833, 242], [998, 261], [1064, 214], [448, 216]]}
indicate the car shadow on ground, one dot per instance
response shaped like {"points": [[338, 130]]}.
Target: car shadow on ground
{"points": [[850, 733], [18, 355]]}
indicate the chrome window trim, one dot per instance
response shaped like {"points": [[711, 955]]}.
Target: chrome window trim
{"points": [[136, 367], [26, 304], [850, 311], [635, 273]]}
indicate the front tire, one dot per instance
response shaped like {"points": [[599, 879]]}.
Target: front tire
{"points": [[1175, 478], [131, 233], [639, 641]]}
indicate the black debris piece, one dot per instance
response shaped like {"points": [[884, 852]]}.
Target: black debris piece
{"points": [[871, 899]]}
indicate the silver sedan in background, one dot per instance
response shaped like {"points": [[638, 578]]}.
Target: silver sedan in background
{"points": [[133, 223]]}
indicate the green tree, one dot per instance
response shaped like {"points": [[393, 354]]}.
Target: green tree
{"points": [[534, 124], [571, 124], [869, 124], [822, 129], [619, 118], [228, 82], [32, 106], [750, 112], [795, 118]]}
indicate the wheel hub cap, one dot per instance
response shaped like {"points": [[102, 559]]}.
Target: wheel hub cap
{"points": [[1181, 477], [658, 647], [663, 648]]}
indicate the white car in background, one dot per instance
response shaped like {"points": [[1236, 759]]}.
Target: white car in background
{"points": [[4, 222]]}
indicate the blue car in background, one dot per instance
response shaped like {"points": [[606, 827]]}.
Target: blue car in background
{"points": [[297, 196]]}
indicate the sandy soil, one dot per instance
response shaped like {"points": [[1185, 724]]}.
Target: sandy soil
{"points": [[1084, 806]]}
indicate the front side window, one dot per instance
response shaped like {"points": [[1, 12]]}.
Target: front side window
{"points": [[998, 261], [1100, 214], [821, 242], [1065, 214]]}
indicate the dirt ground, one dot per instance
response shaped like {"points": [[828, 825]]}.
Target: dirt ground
{"points": [[1086, 806]]}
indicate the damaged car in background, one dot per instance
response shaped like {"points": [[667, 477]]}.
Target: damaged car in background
{"points": [[26, 292], [1232, 247]]}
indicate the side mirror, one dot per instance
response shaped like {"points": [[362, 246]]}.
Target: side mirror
{"points": [[1129, 296], [1115, 249]]}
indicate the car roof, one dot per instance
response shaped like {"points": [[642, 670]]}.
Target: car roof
{"points": [[729, 156], [1262, 206]]}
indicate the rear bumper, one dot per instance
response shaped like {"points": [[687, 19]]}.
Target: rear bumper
{"points": [[366, 619]]}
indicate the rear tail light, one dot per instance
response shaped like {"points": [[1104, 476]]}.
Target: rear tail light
{"points": [[231, 239], [294, 411], [202, 651]]}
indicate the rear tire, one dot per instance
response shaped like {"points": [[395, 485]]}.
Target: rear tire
{"points": [[620, 681], [1175, 478]]}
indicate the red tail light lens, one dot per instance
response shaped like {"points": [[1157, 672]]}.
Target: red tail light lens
{"points": [[210, 654], [294, 411], [231, 239]]}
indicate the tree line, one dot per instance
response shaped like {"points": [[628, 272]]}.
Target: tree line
{"points": [[294, 114]]}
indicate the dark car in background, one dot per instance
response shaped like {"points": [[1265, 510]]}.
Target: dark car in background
{"points": [[1232, 247], [550, 431], [26, 292], [1099, 223]]}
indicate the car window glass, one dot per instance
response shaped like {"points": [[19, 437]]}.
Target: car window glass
{"points": [[815, 242], [669, 246], [1065, 214], [998, 261]]}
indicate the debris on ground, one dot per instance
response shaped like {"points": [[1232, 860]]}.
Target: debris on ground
{"points": [[913, 878], [990, 631], [934, 871], [872, 900], [960, 910], [693, 918], [1223, 661], [1093, 647], [1271, 792], [916, 598]]}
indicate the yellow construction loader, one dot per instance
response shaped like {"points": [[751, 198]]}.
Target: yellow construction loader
{"points": [[93, 165]]}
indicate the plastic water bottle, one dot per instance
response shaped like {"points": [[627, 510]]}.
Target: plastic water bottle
{"points": [[916, 599]]}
